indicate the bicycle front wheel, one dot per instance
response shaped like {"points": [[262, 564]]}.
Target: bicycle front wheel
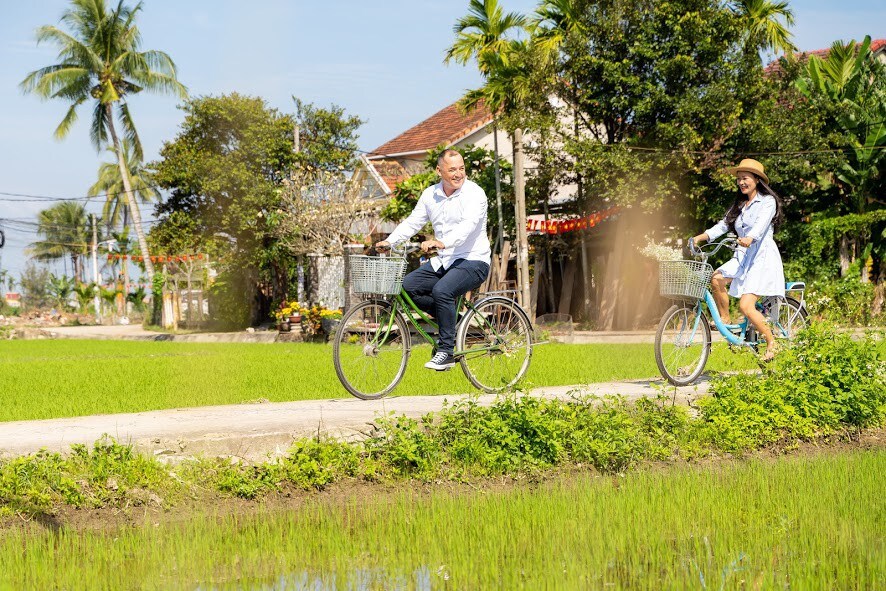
{"points": [[682, 344], [494, 340], [371, 349]]}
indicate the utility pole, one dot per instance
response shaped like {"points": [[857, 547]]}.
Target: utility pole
{"points": [[520, 211], [95, 277]]}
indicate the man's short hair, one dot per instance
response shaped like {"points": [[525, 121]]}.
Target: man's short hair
{"points": [[447, 152]]}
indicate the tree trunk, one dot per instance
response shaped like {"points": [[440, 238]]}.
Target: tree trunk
{"points": [[845, 255], [612, 288], [522, 238], [130, 196], [501, 231]]}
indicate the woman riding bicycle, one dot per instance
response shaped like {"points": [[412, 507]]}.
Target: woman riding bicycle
{"points": [[755, 270]]}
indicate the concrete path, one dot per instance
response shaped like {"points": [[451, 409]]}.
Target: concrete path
{"points": [[136, 332], [258, 431]]}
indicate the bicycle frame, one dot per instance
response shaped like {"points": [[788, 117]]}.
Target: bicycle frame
{"points": [[403, 304], [723, 328], [727, 330]]}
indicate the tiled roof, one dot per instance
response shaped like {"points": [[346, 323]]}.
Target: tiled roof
{"points": [[390, 171], [444, 127], [876, 46]]}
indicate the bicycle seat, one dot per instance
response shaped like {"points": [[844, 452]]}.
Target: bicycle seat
{"points": [[795, 286]]}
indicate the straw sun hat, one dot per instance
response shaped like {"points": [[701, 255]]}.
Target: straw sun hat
{"points": [[749, 165]]}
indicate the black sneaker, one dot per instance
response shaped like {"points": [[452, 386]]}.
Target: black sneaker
{"points": [[441, 361]]}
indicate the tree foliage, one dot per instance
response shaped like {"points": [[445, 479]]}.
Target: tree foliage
{"points": [[226, 170], [327, 138], [65, 232], [109, 185], [34, 284]]}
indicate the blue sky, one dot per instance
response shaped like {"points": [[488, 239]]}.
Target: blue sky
{"points": [[381, 61]]}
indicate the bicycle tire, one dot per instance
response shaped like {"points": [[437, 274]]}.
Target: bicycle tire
{"points": [[367, 367], [676, 362], [504, 325], [787, 327]]}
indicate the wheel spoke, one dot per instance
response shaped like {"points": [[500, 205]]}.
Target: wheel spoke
{"points": [[370, 350], [504, 338], [682, 345]]}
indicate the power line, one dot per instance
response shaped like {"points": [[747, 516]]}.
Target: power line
{"points": [[6, 196]]}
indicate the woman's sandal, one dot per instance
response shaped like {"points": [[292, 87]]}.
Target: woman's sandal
{"points": [[771, 351]]}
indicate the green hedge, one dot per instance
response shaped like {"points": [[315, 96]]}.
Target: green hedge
{"points": [[825, 384]]}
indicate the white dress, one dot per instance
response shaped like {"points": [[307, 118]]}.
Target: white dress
{"points": [[756, 269]]}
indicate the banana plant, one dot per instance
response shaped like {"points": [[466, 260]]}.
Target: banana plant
{"points": [[61, 288], [854, 82], [85, 293]]}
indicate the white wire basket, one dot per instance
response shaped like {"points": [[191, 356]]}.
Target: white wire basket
{"points": [[684, 280], [381, 275]]}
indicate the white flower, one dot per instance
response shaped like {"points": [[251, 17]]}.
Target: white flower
{"points": [[661, 252]]}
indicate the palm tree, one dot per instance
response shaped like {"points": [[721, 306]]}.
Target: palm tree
{"points": [[110, 184], [763, 29], [65, 232], [483, 34], [552, 22], [100, 62]]}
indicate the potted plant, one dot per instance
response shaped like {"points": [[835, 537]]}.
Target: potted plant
{"points": [[318, 321], [287, 315], [329, 320]]}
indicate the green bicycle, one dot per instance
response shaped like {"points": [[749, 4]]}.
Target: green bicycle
{"points": [[372, 343]]}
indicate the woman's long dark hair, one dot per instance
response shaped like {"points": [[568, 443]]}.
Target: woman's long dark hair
{"points": [[763, 188]]}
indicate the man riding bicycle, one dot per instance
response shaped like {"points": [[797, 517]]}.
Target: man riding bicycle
{"points": [[456, 208]]}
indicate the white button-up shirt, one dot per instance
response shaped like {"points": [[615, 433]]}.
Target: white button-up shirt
{"points": [[758, 268], [459, 222]]}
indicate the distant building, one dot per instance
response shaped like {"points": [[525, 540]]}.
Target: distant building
{"points": [[13, 299]]}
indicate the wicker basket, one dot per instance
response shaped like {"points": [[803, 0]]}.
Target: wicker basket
{"points": [[684, 280], [381, 275]]}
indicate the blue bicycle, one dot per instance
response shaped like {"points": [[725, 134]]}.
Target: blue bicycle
{"points": [[683, 338]]}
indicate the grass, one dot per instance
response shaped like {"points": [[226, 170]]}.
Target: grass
{"points": [[802, 522], [50, 379]]}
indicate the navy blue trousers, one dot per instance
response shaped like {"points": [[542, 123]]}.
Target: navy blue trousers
{"points": [[436, 292]]}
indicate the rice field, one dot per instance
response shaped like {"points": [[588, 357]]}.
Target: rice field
{"points": [[50, 379], [801, 522]]}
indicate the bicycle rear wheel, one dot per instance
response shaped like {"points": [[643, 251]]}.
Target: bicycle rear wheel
{"points": [[682, 344], [495, 341], [792, 318], [371, 349]]}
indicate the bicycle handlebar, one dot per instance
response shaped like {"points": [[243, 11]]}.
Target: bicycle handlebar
{"points": [[406, 248], [729, 241]]}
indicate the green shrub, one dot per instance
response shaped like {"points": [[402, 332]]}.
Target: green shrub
{"points": [[246, 481], [106, 474], [847, 301], [824, 382], [313, 464], [404, 446]]}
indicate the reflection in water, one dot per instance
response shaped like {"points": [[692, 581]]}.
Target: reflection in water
{"points": [[357, 580]]}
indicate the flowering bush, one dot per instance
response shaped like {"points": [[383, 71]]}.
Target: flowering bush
{"points": [[313, 317], [287, 309]]}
